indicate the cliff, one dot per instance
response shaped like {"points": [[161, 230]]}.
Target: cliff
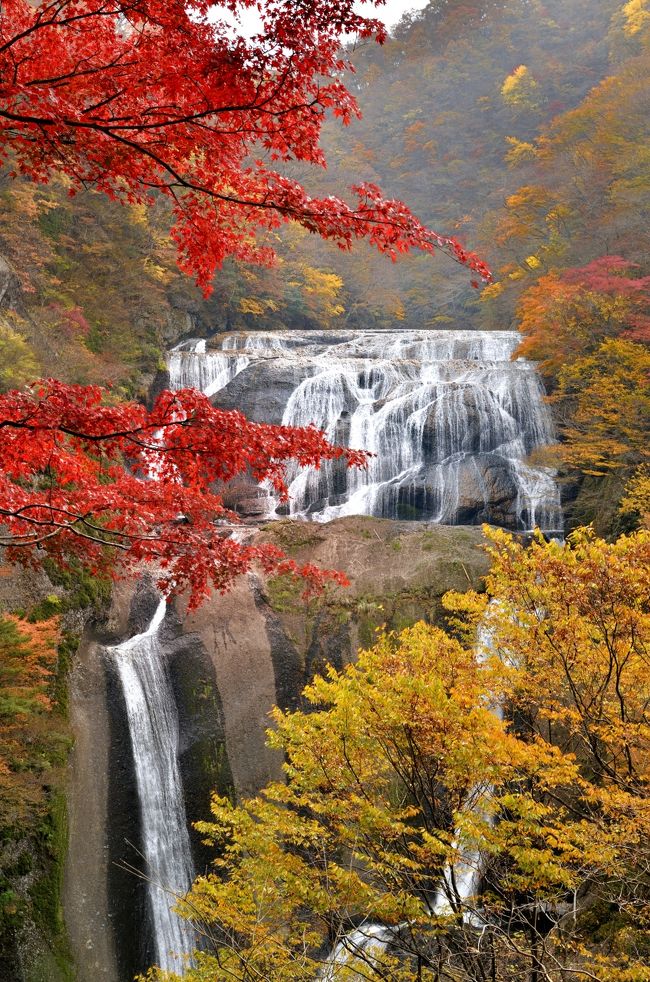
{"points": [[229, 663]]}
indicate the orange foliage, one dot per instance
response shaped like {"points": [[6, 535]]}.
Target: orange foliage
{"points": [[567, 315], [28, 655]]}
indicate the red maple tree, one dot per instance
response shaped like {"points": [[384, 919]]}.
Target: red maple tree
{"points": [[138, 98], [78, 475], [134, 97]]}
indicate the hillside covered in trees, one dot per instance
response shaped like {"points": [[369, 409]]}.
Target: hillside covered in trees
{"points": [[524, 128], [521, 128]]}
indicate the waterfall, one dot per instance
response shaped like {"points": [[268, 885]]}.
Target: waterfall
{"points": [[364, 942], [450, 418], [153, 728], [191, 366], [443, 413]]}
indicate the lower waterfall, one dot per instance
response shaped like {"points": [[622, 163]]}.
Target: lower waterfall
{"points": [[364, 942], [153, 729]]}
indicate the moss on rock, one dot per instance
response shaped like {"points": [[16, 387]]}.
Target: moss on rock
{"points": [[398, 574]]}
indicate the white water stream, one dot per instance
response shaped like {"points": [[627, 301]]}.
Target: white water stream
{"points": [[153, 728], [191, 366], [450, 418]]}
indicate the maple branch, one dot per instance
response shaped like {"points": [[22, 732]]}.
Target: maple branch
{"points": [[64, 22], [170, 74]]}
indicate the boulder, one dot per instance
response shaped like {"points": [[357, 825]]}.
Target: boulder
{"points": [[262, 390]]}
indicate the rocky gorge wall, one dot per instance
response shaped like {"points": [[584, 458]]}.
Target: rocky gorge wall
{"points": [[33, 772], [229, 663]]}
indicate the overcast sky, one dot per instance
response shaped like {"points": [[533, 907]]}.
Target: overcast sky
{"points": [[390, 13], [393, 10]]}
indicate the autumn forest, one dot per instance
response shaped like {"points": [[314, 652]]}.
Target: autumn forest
{"points": [[324, 491]]}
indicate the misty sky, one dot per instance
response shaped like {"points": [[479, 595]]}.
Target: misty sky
{"points": [[390, 13]]}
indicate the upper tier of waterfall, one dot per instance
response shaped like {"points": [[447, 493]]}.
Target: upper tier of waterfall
{"points": [[449, 417]]}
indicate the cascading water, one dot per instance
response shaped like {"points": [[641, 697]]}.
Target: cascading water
{"points": [[451, 421], [450, 418], [191, 366], [153, 728], [366, 942]]}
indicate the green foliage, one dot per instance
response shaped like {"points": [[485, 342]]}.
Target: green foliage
{"points": [[284, 593], [293, 535], [17, 361], [46, 891], [46, 608], [55, 222], [81, 589], [52, 959]]}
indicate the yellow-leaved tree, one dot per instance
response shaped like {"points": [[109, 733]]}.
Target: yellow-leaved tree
{"points": [[605, 400], [463, 805]]}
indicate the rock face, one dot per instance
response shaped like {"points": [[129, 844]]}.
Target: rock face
{"points": [[229, 663], [233, 632], [9, 285], [85, 890], [398, 573], [262, 390]]}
